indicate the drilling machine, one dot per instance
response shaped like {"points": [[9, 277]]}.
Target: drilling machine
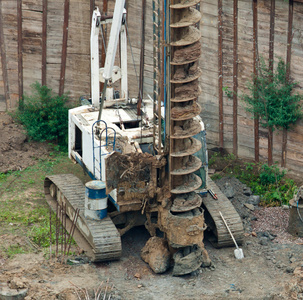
{"points": [[148, 168]]}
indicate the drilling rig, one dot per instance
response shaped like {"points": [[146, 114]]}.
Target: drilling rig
{"points": [[147, 160]]}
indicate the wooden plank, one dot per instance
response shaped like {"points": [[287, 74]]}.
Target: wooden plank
{"points": [[235, 78], [20, 61], [44, 40], [64, 47], [220, 78], [255, 58], [32, 23], [4, 62]]}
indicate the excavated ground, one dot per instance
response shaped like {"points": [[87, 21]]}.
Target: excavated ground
{"points": [[16, 153], [272, 267]]}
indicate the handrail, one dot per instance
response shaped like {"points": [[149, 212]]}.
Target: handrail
{"points": [[100, 133]]}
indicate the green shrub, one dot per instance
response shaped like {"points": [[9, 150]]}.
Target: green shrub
{"points": [[270, 183], [270, 174], [267, 181], [44, 115]]}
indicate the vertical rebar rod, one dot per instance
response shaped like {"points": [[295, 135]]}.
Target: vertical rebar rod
{"points": [[73, 229], [50, 233], [61, 210], [65, 232], [57, 225]]}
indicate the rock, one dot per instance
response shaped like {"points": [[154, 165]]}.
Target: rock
{"points": [[254, 200], [228, 190], [12, 294], [156, 254], [267, 234], [247, 191], [249, 206], [263, 241], [282, 266], [195, 273]]}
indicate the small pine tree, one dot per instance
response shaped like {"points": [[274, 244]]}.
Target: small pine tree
{"points": [[271, 98]]}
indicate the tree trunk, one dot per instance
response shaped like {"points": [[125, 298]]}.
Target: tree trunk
{"points": [[284, 148]]}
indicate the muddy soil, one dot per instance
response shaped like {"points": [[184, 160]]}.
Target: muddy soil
{"points": [[272, 267]]}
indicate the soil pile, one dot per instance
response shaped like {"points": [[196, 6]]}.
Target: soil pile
{"points": [[16, 152]]}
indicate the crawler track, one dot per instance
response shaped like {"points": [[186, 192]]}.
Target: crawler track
{"points": [[100, 239], [221, 237]]}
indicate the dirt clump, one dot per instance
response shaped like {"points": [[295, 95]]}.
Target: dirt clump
{"points": [[156, 254], [189, 53]]}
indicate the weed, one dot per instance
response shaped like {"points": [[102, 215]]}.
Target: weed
{"points": [[3, 176], [213, 159], [230, 157], [12, 250], [216, 176]]}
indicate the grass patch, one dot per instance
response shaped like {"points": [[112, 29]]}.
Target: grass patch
{"points": [[12, 250], [23, 209]]}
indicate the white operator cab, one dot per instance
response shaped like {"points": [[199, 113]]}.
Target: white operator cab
{"points": [[119, 126]]}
